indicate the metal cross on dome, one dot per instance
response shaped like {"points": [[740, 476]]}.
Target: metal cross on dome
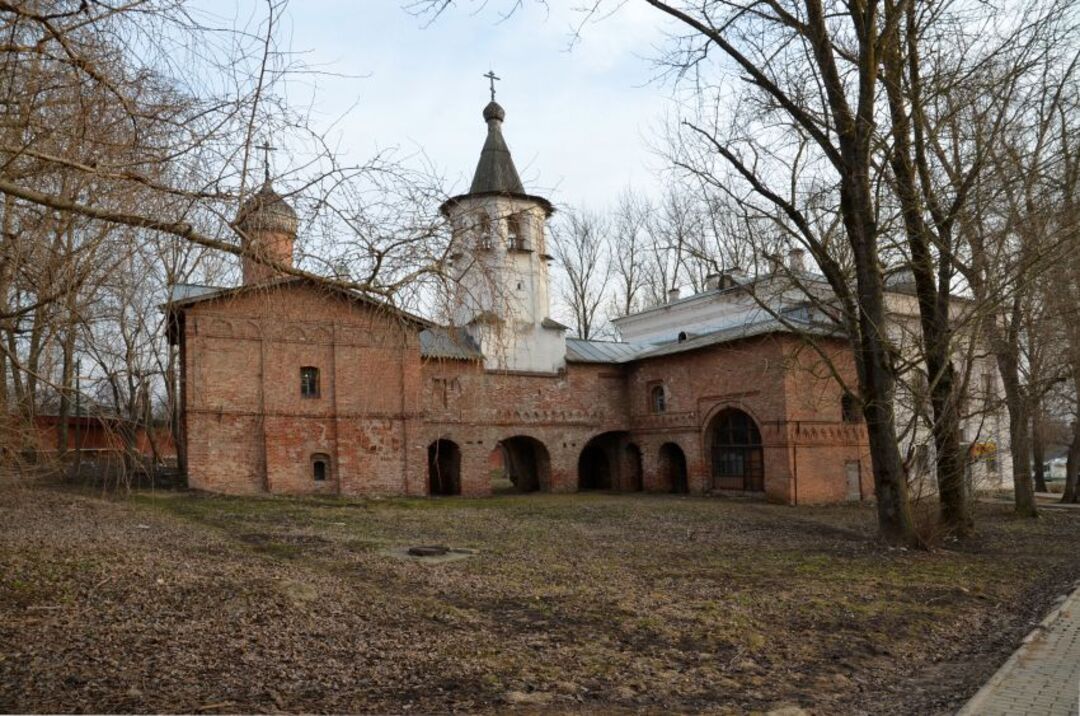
{"points": [[265, 146], [491, 77]]}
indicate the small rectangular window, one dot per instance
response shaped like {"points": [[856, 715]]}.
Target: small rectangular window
{"points": [[320, 466], [309, 382], [849, 408]]}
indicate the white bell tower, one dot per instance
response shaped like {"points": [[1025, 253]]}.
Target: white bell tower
{"points": [[500, 263]]}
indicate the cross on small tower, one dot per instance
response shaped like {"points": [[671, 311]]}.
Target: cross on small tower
{"points": [[491, 77], [265, 146]]}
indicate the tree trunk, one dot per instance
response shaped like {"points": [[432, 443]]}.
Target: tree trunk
{"points": [[66, 387], [877, 385], [1038, 448], [1072, 468], [932, 288], [1019, 445]]}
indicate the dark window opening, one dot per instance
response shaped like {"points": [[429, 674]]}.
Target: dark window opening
{"points": [[682, 336], [320, 467], [483, 233], [849, 409], [444, 468], [515, 236], [657, 399], [309, 382]]}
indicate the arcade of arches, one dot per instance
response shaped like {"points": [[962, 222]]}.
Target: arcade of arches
{"points": [[615, 461]]}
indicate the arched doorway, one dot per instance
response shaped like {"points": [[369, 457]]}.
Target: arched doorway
{"points": [[600, 465], [673, 475], [594, 467], [632, 460], [735, 451], [526, 463], [444, 468]]}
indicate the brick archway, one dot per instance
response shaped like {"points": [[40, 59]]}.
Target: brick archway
{"points": [[601, 463], [736, 456], [526, 463], [444, 468], [674, 476]]}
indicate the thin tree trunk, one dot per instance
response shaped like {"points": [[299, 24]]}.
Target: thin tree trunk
{"points": [[932, 291], [1038, 447], [1072, 468], [66, 387], [1019, 444]]}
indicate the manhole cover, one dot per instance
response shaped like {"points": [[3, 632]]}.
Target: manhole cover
{"points": [[430, 553], [431, 550]]}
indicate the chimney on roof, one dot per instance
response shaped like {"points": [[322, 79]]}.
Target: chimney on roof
{"points": [[712, 281], [795, 262], [673, 295]]}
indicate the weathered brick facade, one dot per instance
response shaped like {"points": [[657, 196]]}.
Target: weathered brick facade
{"points": [[290, 388], [380, 404]]}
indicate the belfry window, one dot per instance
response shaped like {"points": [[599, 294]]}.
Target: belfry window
{"points": [[657, 399], [515, 234], [309, 382], [483, 232]]}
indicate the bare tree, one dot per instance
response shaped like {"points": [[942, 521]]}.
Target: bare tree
{"points": [[581, 243]]}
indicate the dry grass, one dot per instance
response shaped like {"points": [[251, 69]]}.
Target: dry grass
{"points": [[175, 602]]}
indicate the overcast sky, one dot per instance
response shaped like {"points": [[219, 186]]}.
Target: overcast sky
{"points": [[579, 121]]}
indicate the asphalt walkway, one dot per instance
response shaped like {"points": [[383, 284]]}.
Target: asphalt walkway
{"points": [[1042, 678]]}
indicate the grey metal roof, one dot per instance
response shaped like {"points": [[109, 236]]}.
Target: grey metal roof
{"points": [[582, 351], [549, 322], [185, 291], [495, 172], [450, 342], [736, 333]]}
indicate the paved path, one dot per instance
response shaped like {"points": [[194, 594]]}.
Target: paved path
{"points": [[1043, 676]]}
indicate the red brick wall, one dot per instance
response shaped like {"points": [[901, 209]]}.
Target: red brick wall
{"points": [[380, 406], [100, 434], [249, 429], [822, 444], [476, 409]]}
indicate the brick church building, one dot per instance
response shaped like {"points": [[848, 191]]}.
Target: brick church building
{"points": [[290, 387]]}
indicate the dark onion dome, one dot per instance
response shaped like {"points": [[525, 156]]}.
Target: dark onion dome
{"points": [[494, 110], [495, 172], [266, 210]]}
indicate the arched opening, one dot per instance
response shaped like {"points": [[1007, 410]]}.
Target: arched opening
{"points": [[594, 468], [444, 468], [673, 477], [526, 464], [632, 460], [320, 467], [735, 448], [603, 465], [657, 398]]}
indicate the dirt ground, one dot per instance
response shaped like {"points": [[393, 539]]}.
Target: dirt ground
{"points": [[594, 602]]}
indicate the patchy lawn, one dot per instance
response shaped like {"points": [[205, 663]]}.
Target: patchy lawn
{"points": [[178, 602]]}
